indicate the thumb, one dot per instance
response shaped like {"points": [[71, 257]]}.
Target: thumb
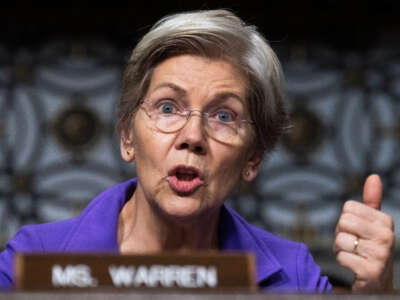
{"points": [[372, 194]]}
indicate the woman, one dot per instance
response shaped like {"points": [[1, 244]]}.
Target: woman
{"points": [[201, 105]]}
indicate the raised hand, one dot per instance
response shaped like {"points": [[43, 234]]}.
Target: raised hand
{"points": [[365, 240]]}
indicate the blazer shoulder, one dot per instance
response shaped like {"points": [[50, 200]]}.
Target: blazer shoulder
{"points": [[46, 237], [279, 246]]}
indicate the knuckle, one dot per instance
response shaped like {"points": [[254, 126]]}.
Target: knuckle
{"points": [[387, 237], [360, 285], [382, 254], [340, 257], [389, 221], [385, 219], [339, 226], [336, 245], [374, 272], [349, 206], [342, 219], [345, 221], [340, 238], [347, 216]]}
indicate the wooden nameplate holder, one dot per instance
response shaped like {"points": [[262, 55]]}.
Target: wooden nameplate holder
{"points": [[197, 271]]}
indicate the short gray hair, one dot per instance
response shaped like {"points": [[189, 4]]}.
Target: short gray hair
{"points": [[213, 34]]}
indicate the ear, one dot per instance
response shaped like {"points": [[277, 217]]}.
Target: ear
{"points": [[127, 148], [252, 166]]}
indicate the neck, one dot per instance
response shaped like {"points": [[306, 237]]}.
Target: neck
{"points": [[143, 229]]}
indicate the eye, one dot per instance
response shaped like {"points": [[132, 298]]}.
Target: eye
{"points": [[225, 116], [167, 108]]}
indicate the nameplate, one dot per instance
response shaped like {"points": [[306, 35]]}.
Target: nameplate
{"points": [[200, 271]]}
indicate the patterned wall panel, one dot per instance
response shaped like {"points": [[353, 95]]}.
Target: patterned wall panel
{"points": [[58, 144], [58, 147], [345, 111]]}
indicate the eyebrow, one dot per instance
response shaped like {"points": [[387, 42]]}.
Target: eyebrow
{"points": [[226, 95], [182, 92]]}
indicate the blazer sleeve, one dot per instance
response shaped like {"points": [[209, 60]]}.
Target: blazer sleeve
{"points": [[309, 273], [25, 240]]}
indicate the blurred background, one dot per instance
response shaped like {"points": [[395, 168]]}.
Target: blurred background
{"points": [[60, 78]]}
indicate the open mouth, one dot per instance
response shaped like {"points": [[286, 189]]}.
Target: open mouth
{"points": [[184, 179], [186, 175]]}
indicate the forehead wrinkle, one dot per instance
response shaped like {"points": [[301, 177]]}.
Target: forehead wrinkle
{"points": [[214, 92], [216, 99], [222, 96], [177, 89]]}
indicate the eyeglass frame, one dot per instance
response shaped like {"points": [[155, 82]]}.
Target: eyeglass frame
{"points": [[187, 113]]}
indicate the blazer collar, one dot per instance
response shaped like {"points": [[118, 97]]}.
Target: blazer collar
{"points": [[238, 235], [97, 227]]}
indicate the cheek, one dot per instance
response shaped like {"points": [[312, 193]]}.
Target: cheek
{"points": [[149, 150], [230, 168]]}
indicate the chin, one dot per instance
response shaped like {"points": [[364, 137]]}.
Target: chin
{"points": [[182, 209]]}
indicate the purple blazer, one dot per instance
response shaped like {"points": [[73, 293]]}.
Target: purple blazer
{"points": [[282, 265]]}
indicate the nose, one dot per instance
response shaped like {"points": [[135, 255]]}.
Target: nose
{"points": [[191, 136]]}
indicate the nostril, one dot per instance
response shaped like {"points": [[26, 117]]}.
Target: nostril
{"points": [[184, 146], [195, 148], [198, 149]]}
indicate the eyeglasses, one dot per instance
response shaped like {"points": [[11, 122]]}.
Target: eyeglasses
{"points": [[220, 123]]}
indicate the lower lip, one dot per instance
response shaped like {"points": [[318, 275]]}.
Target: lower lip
{"points": [[184, 186]]}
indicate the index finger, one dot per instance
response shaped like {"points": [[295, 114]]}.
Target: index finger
{"points": [[365, 212]]}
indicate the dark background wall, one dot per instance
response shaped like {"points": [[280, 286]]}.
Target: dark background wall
{"points": [[343, 24]]}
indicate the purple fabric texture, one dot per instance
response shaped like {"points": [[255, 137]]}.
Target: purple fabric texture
{"points": [[282, 265]]}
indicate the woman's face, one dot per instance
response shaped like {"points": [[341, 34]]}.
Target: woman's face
{"points": [[188, 173]]}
